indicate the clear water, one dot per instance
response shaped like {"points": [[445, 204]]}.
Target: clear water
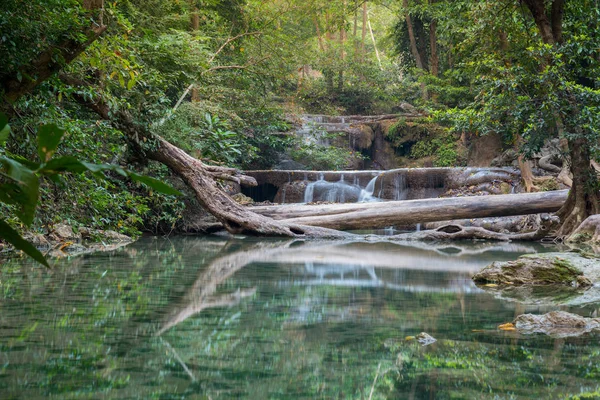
{"points": [[200, 318]]}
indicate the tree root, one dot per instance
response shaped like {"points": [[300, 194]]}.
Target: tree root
{"points": [[459, 232], [587, 232]]}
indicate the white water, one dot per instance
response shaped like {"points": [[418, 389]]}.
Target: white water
{"points": [[366, 195], [339, 192]]}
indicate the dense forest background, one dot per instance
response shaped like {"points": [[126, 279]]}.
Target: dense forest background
{"points": [[222, 80]]}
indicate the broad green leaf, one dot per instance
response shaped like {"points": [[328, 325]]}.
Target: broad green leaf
{"points": [[32, 165], [4, 128], [11, 236], [28, 184], [155, 184], [11, 193], [64, 164], [49, 137]]}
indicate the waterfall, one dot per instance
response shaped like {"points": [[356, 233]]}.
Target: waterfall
{"points": [[401, 187], [309, 192], [366, 195]]}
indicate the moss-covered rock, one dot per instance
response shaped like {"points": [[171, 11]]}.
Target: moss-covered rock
{"points": [[542, 269], [544, 279]]}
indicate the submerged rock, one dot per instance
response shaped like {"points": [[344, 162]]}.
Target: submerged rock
{"points": [[425, 339], [558, 324], [541, 269]]}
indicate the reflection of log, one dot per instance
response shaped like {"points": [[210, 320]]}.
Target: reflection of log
{"points": [[202, 294], [383, 214]]}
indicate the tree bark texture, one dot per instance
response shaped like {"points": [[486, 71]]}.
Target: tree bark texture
{"points": [[435, 61]]}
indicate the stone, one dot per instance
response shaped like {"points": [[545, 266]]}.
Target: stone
{"points": [[64, 233], [536, 269], [242, 199], [108, 236], [292, 192], [425, 339], [573, 289], [558, 324], [37, 239]]}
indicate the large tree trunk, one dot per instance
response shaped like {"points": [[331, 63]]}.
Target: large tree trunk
{"points": [[403, 213], [364, 30], [411, 36], [435, 61], [583, 199]]}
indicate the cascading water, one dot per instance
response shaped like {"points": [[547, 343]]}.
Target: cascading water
{"points": [[339, 192], [401, 187], [366, 195]]}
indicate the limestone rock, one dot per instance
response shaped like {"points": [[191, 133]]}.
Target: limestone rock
{"points": [[536, 269], [557, 324], [242, 199], [425, 339], [584, 288], [291, 192], [64, 233], [108, 236]]}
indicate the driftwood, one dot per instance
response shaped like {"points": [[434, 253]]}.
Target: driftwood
{"points": [[402, 213]]}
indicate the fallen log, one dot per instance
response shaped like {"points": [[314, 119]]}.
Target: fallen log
{"points": [[357, 216]]}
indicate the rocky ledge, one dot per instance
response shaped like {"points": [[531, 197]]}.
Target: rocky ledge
{"points": [[63, 240]]}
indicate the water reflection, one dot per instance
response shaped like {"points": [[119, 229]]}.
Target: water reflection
{"points": [[206, 318]]}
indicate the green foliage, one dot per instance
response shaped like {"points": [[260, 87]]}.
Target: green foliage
{"points": [[442, 148], [207, 136], [318, 157], [20, 184]]}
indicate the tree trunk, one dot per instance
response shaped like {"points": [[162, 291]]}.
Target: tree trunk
{"points": [[319, 36], [435, 61], [403, 213], [195, 26], [583, 198], [582, 201], [364, 30], [538, 12], [411, 36]]}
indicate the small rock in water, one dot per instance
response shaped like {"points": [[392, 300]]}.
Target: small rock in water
{"points": [[558, 324], [425, 339]]}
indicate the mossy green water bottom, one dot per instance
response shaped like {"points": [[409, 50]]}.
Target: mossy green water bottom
{"points": [[204, 318]]}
